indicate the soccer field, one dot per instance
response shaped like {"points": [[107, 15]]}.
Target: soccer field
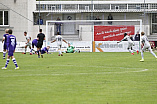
{"points": [[80, 78]]}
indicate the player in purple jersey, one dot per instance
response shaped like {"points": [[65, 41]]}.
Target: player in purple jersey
{"points": [[45, 50], [11, 45], [5, 42], [34, 43]]}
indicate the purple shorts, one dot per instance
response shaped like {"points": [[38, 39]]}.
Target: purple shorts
{"points": [[5, 46], [10, 53]]}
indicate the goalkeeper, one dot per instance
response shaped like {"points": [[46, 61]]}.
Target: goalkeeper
{"points": [[71, 49]]}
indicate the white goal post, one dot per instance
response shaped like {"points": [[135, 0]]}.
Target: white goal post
{"points": [[85, 29]]}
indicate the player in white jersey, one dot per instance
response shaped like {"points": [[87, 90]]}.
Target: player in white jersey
{"points": [[146, 45], [28, 43], [130, 43], [59, 40]]}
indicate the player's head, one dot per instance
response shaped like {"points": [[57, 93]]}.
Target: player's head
{"points": [[40, 30], [125, 34], [142, 33], [10, 31], [69, 44], [58, 33], [48, 47], [25, 33], [6, 30]]}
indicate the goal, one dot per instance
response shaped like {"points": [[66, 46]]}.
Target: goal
{"points": [[95, 31]]}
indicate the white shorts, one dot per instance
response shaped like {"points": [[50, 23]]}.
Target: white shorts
{"points": [[28, 44], [130, 45], [59, 46], [146, 47]]}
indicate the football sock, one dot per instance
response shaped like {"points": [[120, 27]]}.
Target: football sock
{"points": [[75, 50], [25, 50], [60, 52], [15, 62], [4, 54], [134, 50], [7, 62], [153, 53], [130, 50], [32, 50], [142, 54], [38, 53]]}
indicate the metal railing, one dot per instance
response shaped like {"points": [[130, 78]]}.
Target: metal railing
{"points": [[96, 7]]}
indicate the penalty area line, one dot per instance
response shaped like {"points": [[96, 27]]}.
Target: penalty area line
{"points": [[62, 74]]}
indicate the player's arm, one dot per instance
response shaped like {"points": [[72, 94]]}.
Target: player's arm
{"points": [[8, 43], [53, 41], [38, 37], [15, 44], [142, 42], [3, 39], [65, 41], [121, 40], [27, 41], [47, 51]]}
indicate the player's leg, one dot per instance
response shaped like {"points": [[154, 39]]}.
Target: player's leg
{"points": [[39, 45], [142, 55], [70, 51], [38, 52], [129, 49], [59, 29], [59, 50], [133, 44], [42, 54], [25, 49], [76, 50], [8, 59], [150, 50], [30, 48], [4, 51], [14, 60]]}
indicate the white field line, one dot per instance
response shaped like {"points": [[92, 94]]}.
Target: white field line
{"points": [[78, 66], [63, 74]]}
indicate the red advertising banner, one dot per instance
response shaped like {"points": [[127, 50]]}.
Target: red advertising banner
{"points": [[112, 33]]}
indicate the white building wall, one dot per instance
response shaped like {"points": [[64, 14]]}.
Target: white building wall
{"points": [[86, 32], [18, 21]]}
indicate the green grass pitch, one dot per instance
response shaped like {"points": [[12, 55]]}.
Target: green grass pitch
{"points": [[80, 78]]}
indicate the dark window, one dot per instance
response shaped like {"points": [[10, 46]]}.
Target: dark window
{"points": [[154, 28], [154, 18], [5, 17], [1, 17]]}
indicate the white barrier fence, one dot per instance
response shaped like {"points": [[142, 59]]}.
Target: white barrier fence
{"points": [[113, 46], [84, 46]]}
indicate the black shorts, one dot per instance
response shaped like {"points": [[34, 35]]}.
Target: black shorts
{"points": [[39, 45]]}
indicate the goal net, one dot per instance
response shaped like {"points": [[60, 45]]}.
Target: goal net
{"points": [[102, 34]]}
